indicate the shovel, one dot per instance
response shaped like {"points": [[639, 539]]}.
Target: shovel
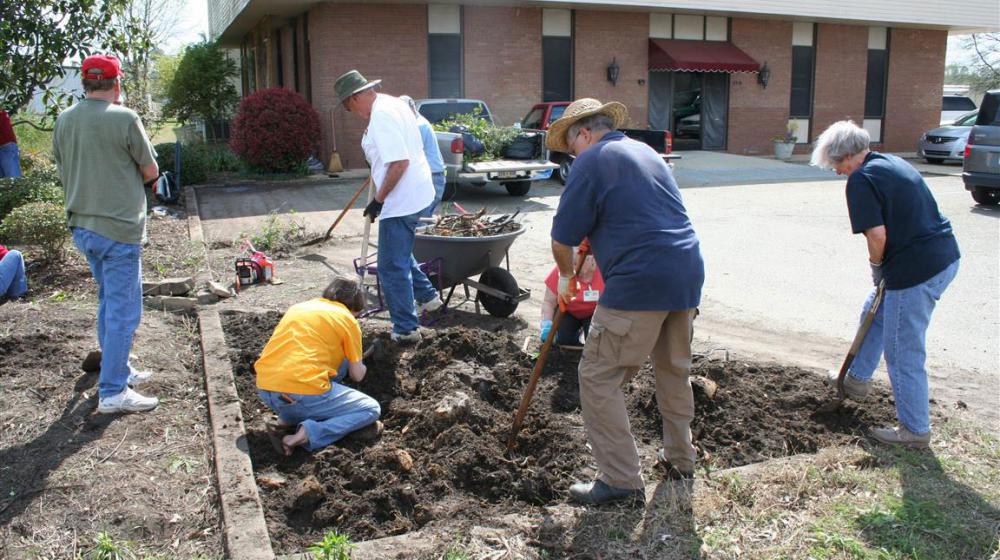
{"points": [[343, 213], [529, 391], [859, 338], [364, 242]]}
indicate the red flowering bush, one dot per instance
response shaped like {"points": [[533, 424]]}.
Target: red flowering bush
{"points": [[275, 130]]}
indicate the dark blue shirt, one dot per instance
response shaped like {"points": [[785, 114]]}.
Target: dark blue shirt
{"points": [[622, 196], [887, 191]]}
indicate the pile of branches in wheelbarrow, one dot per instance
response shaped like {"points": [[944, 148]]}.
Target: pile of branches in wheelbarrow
{"points": [[473, 225]]}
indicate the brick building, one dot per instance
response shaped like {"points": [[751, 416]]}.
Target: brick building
{"points": [[721, 75]]}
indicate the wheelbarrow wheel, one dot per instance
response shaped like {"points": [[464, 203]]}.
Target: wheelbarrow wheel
{"points": [[501, 280]]}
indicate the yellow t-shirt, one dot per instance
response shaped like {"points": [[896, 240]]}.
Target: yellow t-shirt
{"points": [[307, 347]]}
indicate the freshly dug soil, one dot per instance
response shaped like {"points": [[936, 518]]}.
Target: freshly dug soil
{"points": [[447, 405]]}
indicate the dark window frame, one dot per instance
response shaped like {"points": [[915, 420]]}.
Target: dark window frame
{"points": [[461, 58], [294, 24], [572, 59], [279, 55], [812, 82], [883, 90]]}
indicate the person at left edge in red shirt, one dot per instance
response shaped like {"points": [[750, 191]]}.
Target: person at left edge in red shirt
{"points": [[10, 155]]}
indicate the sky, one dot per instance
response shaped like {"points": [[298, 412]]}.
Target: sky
{"points": [[196, 23]]}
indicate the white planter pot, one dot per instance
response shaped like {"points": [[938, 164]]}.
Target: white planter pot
{"points": [[783, 150]]}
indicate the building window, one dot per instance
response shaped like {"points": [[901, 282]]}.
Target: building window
{"points": [[557, 55], [444, 44], [875, 86], [803, 74]]}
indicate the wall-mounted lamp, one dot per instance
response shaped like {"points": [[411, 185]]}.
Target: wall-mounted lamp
{"points": [[764, 76], [614, 71]]}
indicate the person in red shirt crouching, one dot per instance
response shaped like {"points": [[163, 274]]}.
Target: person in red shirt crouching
{"points": [[576, 319]]}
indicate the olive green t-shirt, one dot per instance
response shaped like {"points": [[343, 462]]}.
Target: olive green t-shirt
{"points": [[99, 147]]}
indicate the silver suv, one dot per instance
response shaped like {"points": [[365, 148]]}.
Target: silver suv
{"points": [[981, 171]]}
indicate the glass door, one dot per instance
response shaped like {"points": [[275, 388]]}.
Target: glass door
{"points": [[686, 110]]}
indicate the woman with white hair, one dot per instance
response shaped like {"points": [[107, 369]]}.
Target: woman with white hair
{"points": [[912, 250]]}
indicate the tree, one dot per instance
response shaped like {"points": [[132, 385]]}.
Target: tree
{"points": [[986, 66], [203, 85], [164, 69], [37, 37]]}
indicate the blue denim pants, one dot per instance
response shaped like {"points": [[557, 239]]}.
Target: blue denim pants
{"points": [[438, 180], [398, 273], [327, 417], [10, 160], [570, 329], [899, 331], [117, 268], [13, 282]]}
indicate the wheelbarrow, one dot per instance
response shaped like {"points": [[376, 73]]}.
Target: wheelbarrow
{"points": [[457, 259]]}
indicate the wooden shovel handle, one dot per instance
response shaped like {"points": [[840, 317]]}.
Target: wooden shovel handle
{"points": [[529, 391], [346, 208]]}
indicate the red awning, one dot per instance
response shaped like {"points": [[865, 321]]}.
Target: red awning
{"points": [[698, 56]]}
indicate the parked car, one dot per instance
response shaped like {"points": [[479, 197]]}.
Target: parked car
{"points": [[981, 170], [542, 115], [954, 106], [946, 142], [516, 175]]}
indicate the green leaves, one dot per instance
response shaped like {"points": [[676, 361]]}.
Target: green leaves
{"points": [[202, 85]]}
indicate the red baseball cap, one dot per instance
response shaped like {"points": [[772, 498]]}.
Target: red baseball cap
{"points": [[101, 67]]}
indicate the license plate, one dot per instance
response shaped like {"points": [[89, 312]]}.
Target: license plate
{"points": [[505, 174]]}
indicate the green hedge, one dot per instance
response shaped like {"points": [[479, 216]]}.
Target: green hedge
{"points": [[41, 186], [197, 160], [38, 224]]}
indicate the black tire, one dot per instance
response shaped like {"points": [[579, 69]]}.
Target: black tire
{"points": [[498, 279], [450, 190], [986, 197], [935, 160], [562, 174], [518, 188]]}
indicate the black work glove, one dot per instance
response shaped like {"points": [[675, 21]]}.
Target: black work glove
{"points": [[876, 272], [373, 209]]}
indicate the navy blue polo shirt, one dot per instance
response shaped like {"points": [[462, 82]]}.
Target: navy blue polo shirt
{"points": [[623, 197], [887, 191]]}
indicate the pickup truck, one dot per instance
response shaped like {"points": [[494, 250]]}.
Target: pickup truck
{"points": [[516, 175], [543, 114]]}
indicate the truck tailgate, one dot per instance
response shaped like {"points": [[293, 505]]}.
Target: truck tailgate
{"points": [[501, 165]]}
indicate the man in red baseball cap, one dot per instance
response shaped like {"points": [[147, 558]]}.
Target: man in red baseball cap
{"points": [[104, 157]]}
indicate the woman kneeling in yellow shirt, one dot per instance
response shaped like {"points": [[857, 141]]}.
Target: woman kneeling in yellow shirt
{"points": [[314, 346]]}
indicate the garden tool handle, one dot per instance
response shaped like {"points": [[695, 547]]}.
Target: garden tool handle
{"points": [[859, 338], [348, 207], [529, 391]]}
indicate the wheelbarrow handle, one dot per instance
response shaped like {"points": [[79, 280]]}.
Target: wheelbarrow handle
{"points": [[529, 391]]}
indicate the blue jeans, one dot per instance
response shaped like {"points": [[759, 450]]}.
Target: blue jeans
{"points": [[398, 273], [13, 282], [117, 268], [10, 160], [327, 417], [899, 330], [570, 329], [438, 179]]}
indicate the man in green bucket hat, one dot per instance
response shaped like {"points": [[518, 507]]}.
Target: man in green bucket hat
{"points": [[403, 190]]}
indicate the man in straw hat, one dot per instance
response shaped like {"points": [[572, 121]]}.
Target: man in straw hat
{"points": [[622, 196], [402, 179]]}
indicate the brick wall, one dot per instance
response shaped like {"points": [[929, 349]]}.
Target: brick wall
{"points": [[599, 37], [841, 69], [503, 58], [756, 114], [916, 78], [387, 42]]}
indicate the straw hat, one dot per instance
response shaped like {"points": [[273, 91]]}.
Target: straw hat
{"points": [[350, 83], [556, 139]]}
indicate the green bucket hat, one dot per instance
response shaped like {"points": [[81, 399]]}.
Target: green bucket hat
{"points": [[350, 83]]}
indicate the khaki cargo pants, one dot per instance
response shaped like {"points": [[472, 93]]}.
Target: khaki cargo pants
{"points": [[616, 348]]}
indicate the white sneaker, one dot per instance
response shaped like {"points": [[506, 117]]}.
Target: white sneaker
{"points": [[138, 377], [127, 401], [412, 336], [429, 306]]}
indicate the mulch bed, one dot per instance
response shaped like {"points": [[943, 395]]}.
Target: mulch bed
{"points": [[447, 405]]}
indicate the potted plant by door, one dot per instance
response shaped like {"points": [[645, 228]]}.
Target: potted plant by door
{"points": [[783, 145]]}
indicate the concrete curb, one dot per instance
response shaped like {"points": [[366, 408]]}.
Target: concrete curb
{"points": [[244, 528]]}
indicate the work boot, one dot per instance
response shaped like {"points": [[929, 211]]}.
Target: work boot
{"points": [[127, 401], [138, 377], [854, 388], [901, 436], [407, 338], [670, 471], [429, 306], [597, 493]]}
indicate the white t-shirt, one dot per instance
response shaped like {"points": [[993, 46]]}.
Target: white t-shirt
{"points": [[393, 135]]}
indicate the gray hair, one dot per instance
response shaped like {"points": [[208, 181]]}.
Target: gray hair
{"points": [[347, 291], [597, 121], [840, 141], [98, 85], [409, 101]]}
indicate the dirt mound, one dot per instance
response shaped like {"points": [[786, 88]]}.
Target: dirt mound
{"points": [[447, 405]]}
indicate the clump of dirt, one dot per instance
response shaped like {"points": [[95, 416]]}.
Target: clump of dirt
{"points": [[447, 406]]}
